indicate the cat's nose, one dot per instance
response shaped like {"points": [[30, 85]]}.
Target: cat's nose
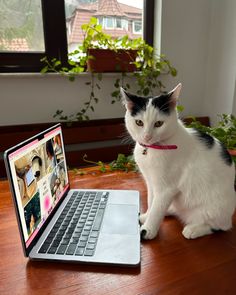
{"points": [[147, 137]]}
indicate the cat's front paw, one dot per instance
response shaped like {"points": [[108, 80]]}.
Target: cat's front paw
{"points": [[142, 218], [148, 232], [193, 231]]}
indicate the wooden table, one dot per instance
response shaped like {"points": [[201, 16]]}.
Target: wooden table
{"points": [[170, 263]]}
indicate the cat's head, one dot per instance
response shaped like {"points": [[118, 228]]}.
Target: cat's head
{"points": [[151, 120]]}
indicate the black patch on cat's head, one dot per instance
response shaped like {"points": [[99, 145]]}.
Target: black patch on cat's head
{"points": [[208, 140], [135, 104], [225, 155], [163, 102]]}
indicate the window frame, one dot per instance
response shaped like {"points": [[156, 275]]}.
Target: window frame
{"points": [[55, 40], [55, 37]]}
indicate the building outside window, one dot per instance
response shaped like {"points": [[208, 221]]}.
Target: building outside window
{"points": [[33, 29], [117, 17]]}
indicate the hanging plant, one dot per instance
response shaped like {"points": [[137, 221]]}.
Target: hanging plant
{"points": [[144, 65]]}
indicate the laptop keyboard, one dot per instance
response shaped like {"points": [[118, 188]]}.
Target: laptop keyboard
{"points": [[77, 229]]}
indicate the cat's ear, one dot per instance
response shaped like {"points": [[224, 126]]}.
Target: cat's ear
{"points": [[126, 99], [174, 95]]}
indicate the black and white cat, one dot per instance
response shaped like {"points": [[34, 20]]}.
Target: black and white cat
{"points": [[188, 174]]}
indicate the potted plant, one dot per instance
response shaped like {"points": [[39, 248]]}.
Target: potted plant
{"points": [[224, 131], [107, 54], [145, 65]]}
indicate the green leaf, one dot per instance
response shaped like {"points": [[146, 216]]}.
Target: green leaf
{"points": [[146, 91], [44, 70], [115, 93], [57, 63], [173, 72], [44, 59], [180, 108]]}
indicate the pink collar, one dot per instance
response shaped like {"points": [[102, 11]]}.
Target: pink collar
{"points": [[160, 147]]}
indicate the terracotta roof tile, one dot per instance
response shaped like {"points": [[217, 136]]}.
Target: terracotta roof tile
{"points": [[109, 8], [130, 9], [16, 44]]}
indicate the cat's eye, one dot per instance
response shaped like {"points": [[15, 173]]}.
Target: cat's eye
{"points": [[158, 123], [139, 123]]}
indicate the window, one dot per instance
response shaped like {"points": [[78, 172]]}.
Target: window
{"points": [[137, 27], [21, 26], [109, 22], [125, 24], [118, 23], [32, 29]]}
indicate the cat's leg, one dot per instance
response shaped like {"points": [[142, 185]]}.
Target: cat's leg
{"points": [[173, 208], [160, 203], [196, 230], [143, 216], [193, 231], [199, 224], [170, 211]]}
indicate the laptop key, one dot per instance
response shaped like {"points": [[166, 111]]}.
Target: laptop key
{"points": [[52, 250], [84, 239], [90, 247], [71, 249], [55, 244], [92, 240], [61, 249], [44, 248], [98, 219], [65, 241], [89, 253], [75, 240], [48, 240], [79, 252], [94, 234], [85, 233]]}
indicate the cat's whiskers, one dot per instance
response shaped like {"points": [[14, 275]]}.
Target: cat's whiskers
{"points": [[126, 138]]}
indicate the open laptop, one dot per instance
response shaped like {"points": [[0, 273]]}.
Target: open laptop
{"points": [[62, 224]]}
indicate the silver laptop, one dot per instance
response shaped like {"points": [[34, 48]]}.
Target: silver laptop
{"points": [[70, 225]]}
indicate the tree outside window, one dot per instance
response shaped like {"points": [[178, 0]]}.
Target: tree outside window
{"points": [[21, 26]]}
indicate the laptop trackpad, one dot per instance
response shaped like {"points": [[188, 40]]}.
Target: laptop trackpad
{"points": [[120, 219]]}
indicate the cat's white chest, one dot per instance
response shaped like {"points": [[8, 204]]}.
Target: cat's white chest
{"points": [[148, 158]]}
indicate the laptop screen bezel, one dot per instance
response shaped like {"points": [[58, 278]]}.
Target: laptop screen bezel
{"points": [[38, 136]]}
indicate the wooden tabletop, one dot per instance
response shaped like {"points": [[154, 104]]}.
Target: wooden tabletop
{"points": [[170, 264]]}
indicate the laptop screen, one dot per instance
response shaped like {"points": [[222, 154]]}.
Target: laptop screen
{"points": [[39, 175]]}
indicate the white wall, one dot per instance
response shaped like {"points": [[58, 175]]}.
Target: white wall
{"points": [[221, 66], [198, 37], [35, 98], [185, 34]]}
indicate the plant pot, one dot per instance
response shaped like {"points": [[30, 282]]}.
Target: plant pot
{"points": [[232, 152], [106, 60]]}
